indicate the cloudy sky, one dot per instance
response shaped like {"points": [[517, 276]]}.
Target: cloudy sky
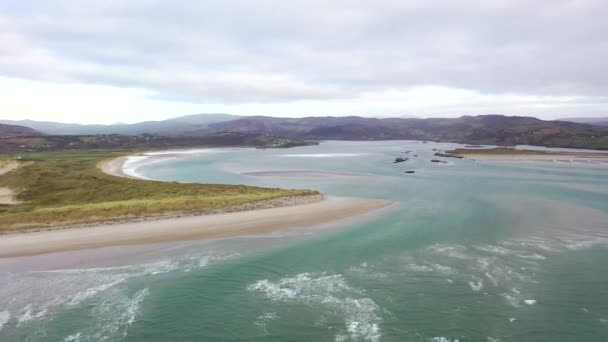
{"points": [[133, 60]]}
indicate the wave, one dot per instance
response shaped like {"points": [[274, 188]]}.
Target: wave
{"points": [[112, 318], [35, 296], [5, 316], [361, 320]]}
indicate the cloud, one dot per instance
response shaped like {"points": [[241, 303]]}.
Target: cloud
{"points": [[252, 52]]}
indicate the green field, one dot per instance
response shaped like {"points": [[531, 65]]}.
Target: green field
{"points": [[68, 188]]}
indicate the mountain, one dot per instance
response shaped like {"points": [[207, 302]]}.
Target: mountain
{"points": [[13, 131], [483, 129], [171, 126], [592, 121]]}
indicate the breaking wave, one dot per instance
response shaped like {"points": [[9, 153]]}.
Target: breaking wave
{"points": [[332, 292]]}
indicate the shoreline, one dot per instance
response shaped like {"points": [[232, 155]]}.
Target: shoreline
{"points": [[202, 227], [115, 167], [260, 217]]}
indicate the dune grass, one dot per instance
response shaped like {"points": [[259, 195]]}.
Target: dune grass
{"points": [[69, 188]]}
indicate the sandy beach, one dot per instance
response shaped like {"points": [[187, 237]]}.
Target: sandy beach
{"points": [[187, 228], [256, 218], [6, 194], [115, 167]]}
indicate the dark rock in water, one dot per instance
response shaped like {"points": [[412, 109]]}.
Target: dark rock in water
{"points": [[437, 161], [425, 142], [434, 149], [400, 160], [448, 155], [473, 146], [415, 155], [409, 171]]}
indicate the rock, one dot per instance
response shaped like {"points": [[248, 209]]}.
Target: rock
{"points": [[409, 171], [400, 160], [415, 155], [437, 161]]}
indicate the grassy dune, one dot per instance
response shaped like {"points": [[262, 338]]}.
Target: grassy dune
{"points": [[69, 188]]}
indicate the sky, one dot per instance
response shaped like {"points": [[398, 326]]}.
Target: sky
{"points": [[135, 60]]}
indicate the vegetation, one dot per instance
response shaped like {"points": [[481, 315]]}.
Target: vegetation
{"points": [[484, 130], [505, 151], [68, 188], [47, 143]]}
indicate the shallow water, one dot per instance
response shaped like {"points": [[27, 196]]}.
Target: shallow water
{"points": [[475, 251]]}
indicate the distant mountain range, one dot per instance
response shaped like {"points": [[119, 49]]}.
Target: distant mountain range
{"points": [[483, 129], [592, 121], [174, 126], [13, 131]]}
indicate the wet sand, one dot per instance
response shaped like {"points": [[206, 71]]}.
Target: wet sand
{"points": [[187, 228], [115, 167]]}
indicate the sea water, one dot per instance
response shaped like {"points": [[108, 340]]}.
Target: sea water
{"points": [[473, 250]]}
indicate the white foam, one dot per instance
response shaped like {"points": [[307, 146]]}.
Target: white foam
{"points": [[34, 295], [443, 339], [114, 316], [361, 321], [90, 292], [72, 338], [491, 278], [476, 285], [452, 251], [511, 299], [262, 321], [418, 268], [5, 316], [530, 301], [29, 313]]}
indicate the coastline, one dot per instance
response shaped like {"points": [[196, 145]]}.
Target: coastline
{"points": [[261, 221], [260, 217], [115, 167]]}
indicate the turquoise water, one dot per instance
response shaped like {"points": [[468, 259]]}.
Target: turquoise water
{"points": [[473, 251]]}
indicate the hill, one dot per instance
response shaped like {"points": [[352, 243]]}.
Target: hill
{"points": [[483, 129], [12, 131], [592, 121], [171, 126], [48, 143]]}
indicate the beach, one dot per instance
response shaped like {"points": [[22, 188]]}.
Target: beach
{"points": [[187, 228], [259, 217], [7, 194]]}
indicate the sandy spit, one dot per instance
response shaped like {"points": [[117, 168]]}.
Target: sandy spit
{"points": [[260, 221], [252, 218]]}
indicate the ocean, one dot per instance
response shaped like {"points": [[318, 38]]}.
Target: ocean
{"points": [[473, 250]]}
